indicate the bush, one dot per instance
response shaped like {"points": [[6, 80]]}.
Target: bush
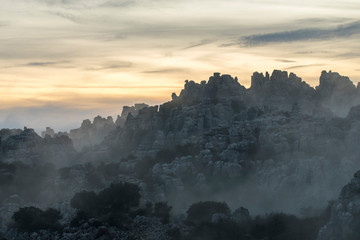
{"points": [[162, 210], [86, 201], [32, 219], [112, 204], [80, 218], [119, 197], [281, 226], [203, 211], [221, 230]]}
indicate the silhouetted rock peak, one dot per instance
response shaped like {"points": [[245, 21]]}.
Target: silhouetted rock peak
{"points": [[278, 79], [100, 121], [219, 86], [258, 80], [282, 90], [337, 92], [86, 124], [48, 132], [332, 83], [129, 110], [28, 147]]}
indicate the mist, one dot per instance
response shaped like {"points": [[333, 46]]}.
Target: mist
{"points": [[279, 146]]}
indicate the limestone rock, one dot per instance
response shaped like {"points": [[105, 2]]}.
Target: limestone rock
{"points": [[345, 214]]}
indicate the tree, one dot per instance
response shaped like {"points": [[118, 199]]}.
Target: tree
{"points": [[162, 210], [32, 219], [112, 205], [87, 202], [203, 211]]}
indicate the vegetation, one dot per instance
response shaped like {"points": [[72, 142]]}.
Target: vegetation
{"points": [[275, 226], [162, 211], [32, 219], [203, 211], [111, 205], [118, 204]]}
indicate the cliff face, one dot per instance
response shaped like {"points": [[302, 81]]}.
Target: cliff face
{"points": [[93, 133], [280, 139], [337, 92], [345, 215], [282, 90], [27, 147]]}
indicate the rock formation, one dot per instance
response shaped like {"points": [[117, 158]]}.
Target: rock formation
{"points": [[27, 147], [92, 133], [345, 214], [280, 145], [280, 130]]}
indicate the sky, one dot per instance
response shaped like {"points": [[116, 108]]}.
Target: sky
{"points": [[62, 61]]}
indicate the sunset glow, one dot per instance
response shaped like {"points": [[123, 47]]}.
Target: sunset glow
{"points": [[82, 58]]}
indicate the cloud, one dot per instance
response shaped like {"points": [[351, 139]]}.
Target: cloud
{"points": [[303, 66], [111, 65], [4, 24], [60, 2], [87, 4], [41, 64], [165, 70], [203, 42], [67, 16], [348, 55], [118, 3], [118, 87], [341, 31], [285, 60], [323, 20]]}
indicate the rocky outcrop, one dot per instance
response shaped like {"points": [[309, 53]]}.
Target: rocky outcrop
{"points": [[344, 223], [92, 133], [217, 88], [276, 135], [337, 92], [48, 132], [133, 110], [277, 146], [286, 91], [29, 148]]}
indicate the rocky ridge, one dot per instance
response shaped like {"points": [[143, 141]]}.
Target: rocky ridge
{"points": [[280, 145], [27, 147], [280, 130]]}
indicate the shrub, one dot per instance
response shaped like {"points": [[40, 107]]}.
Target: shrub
{"points": [[119, 197], [79, 218], [203, 211], [162, 210], [174, 234], [112, 204], [86, 202], [32, 219], [221, 230]]}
